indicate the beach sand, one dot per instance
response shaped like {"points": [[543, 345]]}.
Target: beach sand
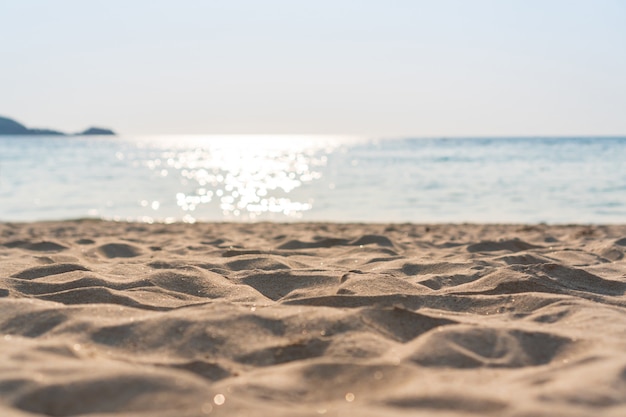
{"points": [[126, 319]]}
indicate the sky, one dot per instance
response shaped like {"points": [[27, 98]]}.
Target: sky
{"points": [[358, 67]]}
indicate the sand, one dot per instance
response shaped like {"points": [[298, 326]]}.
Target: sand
{"points": [[101, 318]]}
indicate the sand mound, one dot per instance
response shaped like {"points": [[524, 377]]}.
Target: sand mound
{"points": [[104, 319]]}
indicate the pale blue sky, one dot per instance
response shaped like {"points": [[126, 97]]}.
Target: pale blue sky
{"points": [[388, 67]]}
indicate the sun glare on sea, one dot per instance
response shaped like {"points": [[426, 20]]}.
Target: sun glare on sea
{"points": [[247, 176]]}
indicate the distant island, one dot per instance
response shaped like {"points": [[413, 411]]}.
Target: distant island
{"points": [[11, 127]]}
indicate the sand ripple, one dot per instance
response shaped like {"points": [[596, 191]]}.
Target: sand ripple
{"points": [[126, 319]]}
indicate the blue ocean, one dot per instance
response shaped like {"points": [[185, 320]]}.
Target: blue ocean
{"points": [[314, 178]]}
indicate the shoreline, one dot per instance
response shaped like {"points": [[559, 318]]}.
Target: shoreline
{"points": [[313, 222], [303, 319]]}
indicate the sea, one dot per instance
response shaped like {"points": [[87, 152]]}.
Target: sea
{"points": [[286, 178]]}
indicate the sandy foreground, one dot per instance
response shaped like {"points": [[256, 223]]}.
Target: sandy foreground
{"points": [[101, 319]]}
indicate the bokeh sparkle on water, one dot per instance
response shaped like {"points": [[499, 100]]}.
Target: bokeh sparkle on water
{"points": [[246, 176]]}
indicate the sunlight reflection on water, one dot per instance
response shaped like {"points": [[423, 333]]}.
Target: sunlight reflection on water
{"points": [[246, 176]]}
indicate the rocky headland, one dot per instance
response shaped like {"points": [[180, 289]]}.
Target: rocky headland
{"points": [[11, 127]]}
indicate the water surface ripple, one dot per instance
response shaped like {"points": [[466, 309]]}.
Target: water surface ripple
{"points": [[313, 178]]}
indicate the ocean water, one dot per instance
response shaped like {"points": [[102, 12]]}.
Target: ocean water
{"points": [[314, 178]]}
